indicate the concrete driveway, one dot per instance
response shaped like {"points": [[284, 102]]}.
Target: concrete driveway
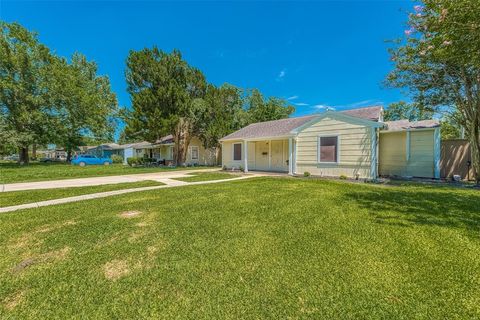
{"points": [[96, 181]]}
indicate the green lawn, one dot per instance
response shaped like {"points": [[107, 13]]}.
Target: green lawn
{"points": [[259, 248], [205, 176], [12, 172], [29, 196]]}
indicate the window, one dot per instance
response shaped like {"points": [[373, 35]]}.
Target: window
{"points": [[237, 151], [194, 152], [328, 149]]}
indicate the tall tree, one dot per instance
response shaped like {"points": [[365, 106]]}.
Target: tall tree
{"points": [[260, 110], [165, 93], [402, 110], [23, 78], [223, 114], [85, 104], [439, 63]]}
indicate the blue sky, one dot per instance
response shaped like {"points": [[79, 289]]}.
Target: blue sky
{"points": [[316, 54]]}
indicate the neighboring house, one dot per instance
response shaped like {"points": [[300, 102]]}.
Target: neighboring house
{"points": [[53, 154], [355, 143], [161, 150]]}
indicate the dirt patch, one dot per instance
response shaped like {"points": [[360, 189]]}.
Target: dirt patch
{"points": [[42, 258], [130, 214], [14, 300], [142, 224], [116, 269]]}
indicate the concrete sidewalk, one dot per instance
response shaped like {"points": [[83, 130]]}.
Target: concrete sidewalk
{"points": [[168, 184], [96, 181]]}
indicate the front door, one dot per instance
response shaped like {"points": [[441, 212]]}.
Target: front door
{"points": [[279, 161]]}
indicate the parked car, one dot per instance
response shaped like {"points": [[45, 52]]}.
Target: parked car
{"points": [[13, 157], [84, 159]]}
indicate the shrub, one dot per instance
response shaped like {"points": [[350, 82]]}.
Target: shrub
{"points": [[116, 158], [134, 161], [343, 177], [241, 168], [306, 174]]}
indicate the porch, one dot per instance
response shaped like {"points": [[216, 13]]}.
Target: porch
{"points": [[273, 155]]}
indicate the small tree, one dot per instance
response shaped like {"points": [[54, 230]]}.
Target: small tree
{"points": [[439, 63]]}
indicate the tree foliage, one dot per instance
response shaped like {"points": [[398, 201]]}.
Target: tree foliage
{"points": [[439, 63], [170, 96], [45, 99], [164, 90], [402, 110]]}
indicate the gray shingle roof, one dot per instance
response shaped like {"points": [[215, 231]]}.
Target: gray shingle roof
{"points": [[275, 128], [370, 113], [400, 125], [283, 127]]}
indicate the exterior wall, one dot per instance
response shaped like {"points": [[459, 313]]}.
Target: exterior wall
{"points": [[407, 154], [227, 156], [205, 156], [456, 153], [354, 149]]}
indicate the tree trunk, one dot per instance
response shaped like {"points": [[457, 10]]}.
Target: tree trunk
{"points": [[23, 155], [217, 155], [34, 151], [182, 139], [69, 156], [474, 138]]}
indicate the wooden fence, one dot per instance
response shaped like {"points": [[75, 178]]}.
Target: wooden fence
{"points": [[455, 158]]}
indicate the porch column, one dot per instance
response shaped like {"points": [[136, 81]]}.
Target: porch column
{"points": [[290, 156], [245, 156]]}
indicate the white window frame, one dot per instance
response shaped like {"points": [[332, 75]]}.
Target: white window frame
{"points": [[333, 135], [191, 153], [241, 151]]}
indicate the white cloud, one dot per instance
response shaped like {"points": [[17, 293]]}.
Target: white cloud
{"points": [[363, 103], [323, 107], [281, 75], [301, 104], [292, 98]]}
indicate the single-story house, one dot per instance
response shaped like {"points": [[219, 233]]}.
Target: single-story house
{"points": [[355, 143], [161, 150]]}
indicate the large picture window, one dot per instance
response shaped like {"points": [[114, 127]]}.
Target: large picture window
{"points": [[328, 149], [237, 151]]}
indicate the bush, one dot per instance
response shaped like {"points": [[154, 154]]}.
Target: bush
{"points": [[306, 174], [343, 177], [134, 161], [116, 158]]}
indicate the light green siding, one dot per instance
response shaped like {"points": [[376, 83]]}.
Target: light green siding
{"points": [[354, 149]]}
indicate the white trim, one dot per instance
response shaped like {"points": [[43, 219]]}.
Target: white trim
{"points": [[290, 156], [233, 150], [245, 157], [409, 129], [407, 146], [338, 116], [269, 154], [373, 150], [437, 152], [331, 135], [266, 138], [294, 156]]}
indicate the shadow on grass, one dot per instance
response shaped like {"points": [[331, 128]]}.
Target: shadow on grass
{"points": [[404, 206]]}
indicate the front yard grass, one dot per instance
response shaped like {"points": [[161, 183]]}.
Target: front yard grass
{"points": [[20, 197], [251, 249], [36, 171], [206, 176]]}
